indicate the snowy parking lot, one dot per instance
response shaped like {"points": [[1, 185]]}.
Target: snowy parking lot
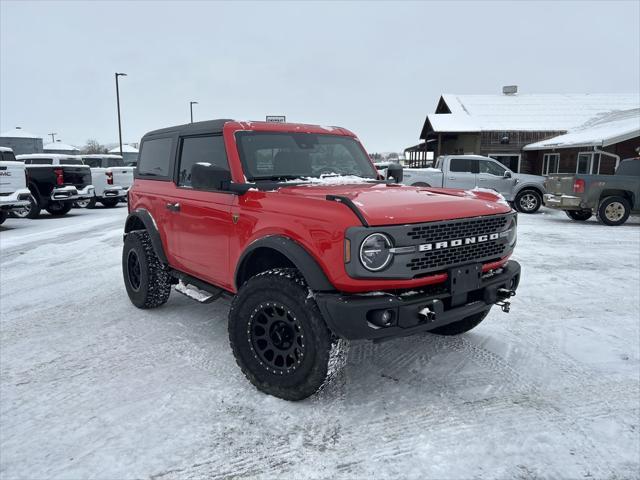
{"points": [[92, 387]]}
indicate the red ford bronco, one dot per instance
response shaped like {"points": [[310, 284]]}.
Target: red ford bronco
{"points": [[295, 223]]}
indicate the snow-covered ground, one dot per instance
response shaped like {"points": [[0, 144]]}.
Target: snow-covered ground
{"points": [[91, 387]]}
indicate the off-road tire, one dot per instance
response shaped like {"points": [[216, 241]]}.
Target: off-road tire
{"points": [[32, 211], [109, 202], [579, 215], [283, 290], [59, 209], [610, 202], [461, 326], [151, 286], [528, 201], [3, 216]]}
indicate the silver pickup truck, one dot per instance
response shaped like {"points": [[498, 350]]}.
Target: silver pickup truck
{"points": [[612, 197], [471, 171]]}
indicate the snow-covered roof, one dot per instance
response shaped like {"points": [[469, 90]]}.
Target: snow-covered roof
{"points": [[125, 149], [538, 112], [19, 133], [601, 131], [60, 146]]}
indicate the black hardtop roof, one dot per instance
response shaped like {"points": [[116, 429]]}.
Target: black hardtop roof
{"points": [[208, 126]]}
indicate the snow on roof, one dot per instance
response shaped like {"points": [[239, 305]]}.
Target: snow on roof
{"points": [[541, 112], [601, 131], [19, 133], [59, 146], [125, 149]]}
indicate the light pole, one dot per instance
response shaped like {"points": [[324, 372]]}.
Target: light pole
{"points": [[191, 104], [53, 137], [118, 102]]}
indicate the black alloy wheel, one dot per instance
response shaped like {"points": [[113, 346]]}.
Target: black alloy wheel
{"points": [[134, 271]]}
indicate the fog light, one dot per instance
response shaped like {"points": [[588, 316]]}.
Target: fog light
{"points": [[381, 318]]}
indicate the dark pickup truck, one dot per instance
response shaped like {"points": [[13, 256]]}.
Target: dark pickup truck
{"points": [[55, 182], [611, 197]]}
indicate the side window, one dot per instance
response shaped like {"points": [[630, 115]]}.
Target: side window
{"points": [[461, 165], [155, 157], [205, 149], [92, 162], [492, 168]]}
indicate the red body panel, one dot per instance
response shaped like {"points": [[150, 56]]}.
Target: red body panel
{"points": [[203, 240]]}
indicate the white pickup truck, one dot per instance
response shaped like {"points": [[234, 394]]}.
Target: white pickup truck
{"points": [[110, 178], [475, 171], [14, 193]]}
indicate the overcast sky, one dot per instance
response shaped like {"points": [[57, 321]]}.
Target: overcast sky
{"points": [[375, 68]]}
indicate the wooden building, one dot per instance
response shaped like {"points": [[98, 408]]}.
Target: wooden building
{"points": [[516, 129]]}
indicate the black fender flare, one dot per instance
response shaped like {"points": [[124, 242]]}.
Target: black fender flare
{"points": [[133, 221], [296, 253]]}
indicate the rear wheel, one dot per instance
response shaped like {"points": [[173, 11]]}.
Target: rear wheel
{"points": [[528, 201], [614, 211], [30, 211], [147, 282], [84, 203], [278, 335], [461, 326], [109, 202], [58, 209], [579, 215], [3, 216]]}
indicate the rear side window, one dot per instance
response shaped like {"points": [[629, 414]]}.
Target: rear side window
{"points": [[462, 165], [629, 167], [93, 162], [205, 149], [38, 161], [114, 162], [155, 157]]}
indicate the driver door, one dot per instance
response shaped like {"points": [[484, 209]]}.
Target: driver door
{"points": [[491, 176]]}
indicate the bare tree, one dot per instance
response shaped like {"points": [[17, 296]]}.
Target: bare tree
{"points": [[93, 146]]}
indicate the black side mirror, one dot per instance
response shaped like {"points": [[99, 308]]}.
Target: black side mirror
{"points": [[205, 176], [394, 171], [507, 174]]}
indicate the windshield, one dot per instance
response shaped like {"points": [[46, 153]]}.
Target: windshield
{"points": [[292, 156]]}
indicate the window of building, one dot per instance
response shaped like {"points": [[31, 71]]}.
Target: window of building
{"points": [[155, 156], [207, 149], [550, 163], [585, 163], [511, 161]]}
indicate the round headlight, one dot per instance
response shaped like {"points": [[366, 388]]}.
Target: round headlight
{"points": [[374, 252]]}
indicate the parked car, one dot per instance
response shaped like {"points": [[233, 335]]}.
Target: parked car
{"points": [[111, 180], [14, 193], [471, 171], [612, 197], [310, 256], [55, 181]]}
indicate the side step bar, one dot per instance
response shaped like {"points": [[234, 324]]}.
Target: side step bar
{"points": [[195, 289]]}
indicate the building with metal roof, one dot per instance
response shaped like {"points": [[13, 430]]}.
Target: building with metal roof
{"points": [[21, 141]]}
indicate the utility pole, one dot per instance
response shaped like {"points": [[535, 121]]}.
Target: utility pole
{"points": [[191, 104], [118, 102], [53, 137]]}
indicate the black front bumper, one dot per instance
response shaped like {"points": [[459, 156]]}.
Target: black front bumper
{"points": [[349, 315]]}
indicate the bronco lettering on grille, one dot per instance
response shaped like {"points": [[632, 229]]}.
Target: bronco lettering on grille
{"points": [[426, 247]]}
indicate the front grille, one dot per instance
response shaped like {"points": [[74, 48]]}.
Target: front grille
{"points": [[456, 255], [434, 260], [466, 228]]}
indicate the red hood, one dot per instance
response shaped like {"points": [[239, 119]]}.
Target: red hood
{"points": [[383, 204]]}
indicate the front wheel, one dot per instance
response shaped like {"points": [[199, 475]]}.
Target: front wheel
{"points": [[59, 209], [278, 336], [579, 215], [528, 201], [461, 326], [614, 211], [83, 203]]}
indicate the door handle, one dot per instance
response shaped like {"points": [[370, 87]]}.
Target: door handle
{"points": [[452, 178], [482, 179], [174, 207]]}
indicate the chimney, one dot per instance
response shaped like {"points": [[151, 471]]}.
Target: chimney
{"points": [[510, 90]]}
